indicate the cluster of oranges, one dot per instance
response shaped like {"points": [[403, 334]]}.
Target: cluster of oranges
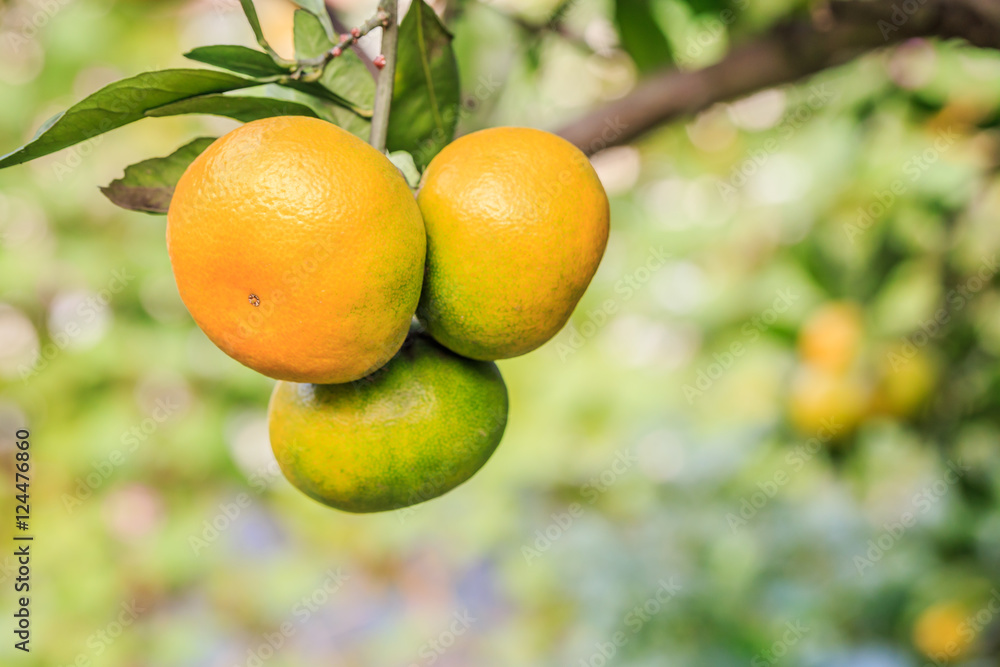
{"points": [[842, 380], [302, 253]]}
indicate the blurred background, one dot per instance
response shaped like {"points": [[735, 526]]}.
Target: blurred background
{"points": [[768, 436]]}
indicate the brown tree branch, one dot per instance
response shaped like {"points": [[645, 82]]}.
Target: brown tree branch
{"points": [[786, 53]]}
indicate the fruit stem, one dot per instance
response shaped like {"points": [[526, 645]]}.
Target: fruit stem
{"points": [[386, 77]]}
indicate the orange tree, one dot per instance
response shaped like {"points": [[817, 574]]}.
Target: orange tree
{"points": [[407, 101]]}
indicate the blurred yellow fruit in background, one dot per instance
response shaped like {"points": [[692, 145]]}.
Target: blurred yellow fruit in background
{"points": [[906, 380], [822, 400], [831, 338], [941, 632]]}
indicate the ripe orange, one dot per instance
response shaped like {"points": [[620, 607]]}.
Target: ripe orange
{"points": [[298, 249], [831, 338], [517, 222], [942, 631], [413, 430]]}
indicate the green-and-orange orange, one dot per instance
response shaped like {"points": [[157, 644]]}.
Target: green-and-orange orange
{"points": [[302, 253]]}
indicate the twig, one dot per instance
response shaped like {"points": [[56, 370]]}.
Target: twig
{"points": [[384, 84], [347, 40], [341, 28], [784, 54]]}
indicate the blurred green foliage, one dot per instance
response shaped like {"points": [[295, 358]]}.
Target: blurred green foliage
{"points": [[623, 514]]}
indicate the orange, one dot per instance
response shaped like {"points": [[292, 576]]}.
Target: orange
{"points": [[298, 249], [826, 403], [831, 338], [517, 222], [942, 632], [907, 378], [411, 431]]}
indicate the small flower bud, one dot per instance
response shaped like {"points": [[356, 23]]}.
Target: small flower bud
{"points": [[345, 38], [356, 32], [336, 51], [379, 61]]}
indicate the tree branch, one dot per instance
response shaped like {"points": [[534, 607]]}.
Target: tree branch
{"points": [[786, 53], [347, 40], [342, 27], [386, 77]]}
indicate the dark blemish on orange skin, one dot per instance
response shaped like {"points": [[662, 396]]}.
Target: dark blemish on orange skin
{"points": [[254, 300]]}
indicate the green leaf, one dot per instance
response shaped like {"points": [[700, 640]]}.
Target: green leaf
{"points": [[237, 59], [251, 14], [121, 103], [348, 77], [317, 89], [404, 162], [318, 9], [323, 108], [425, 98], [641, 36], [359, 127], [348, 120], [708, 6], [244, 109], [148, 185], [345, 77], [47, 124], [311, 39]]}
